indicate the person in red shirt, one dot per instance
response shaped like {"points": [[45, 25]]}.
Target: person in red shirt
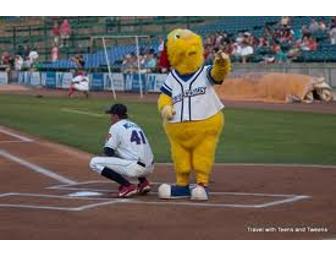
{"points": [[54, 53], [164, 64], [312, 44], [56, 32], [65, 31]]}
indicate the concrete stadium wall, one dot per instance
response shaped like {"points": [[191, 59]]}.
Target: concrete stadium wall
{"points": [[100, 81]]}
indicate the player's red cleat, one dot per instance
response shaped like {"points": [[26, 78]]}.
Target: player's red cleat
{"points": [[144, 187], [127, 191]]}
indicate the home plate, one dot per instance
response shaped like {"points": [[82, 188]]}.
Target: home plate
{"points": [[85, 194]]}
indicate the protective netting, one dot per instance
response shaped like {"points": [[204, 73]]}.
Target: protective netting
{"points": [[275, 87]]}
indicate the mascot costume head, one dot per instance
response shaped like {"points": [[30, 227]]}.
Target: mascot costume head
{"points": [[192, 113]]}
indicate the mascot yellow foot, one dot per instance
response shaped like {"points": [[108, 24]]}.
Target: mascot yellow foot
{"points": [[191, 113], [195, 192]]}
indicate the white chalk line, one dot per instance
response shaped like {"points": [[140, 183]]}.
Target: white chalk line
{"points": [[36, 168], [284, 201], [92, 114], [107, 201], [233, 193], [288, 198], [72, 187], [49, 173], [27, 194], [72, 209], [20, 137], [10, 141]]}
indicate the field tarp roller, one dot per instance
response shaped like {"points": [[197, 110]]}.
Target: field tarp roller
{"points": [[274, 87]]}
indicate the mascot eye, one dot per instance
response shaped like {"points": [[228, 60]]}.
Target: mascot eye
{"points": [[177, 36]]}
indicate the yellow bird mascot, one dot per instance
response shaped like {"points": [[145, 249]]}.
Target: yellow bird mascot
{"points": [[191, 113]]}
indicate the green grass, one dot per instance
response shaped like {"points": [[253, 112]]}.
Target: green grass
{"points": [[255, 136]]}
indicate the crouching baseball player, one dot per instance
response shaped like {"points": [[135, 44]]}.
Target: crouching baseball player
{"points": [[79, 83], [127, 154]]}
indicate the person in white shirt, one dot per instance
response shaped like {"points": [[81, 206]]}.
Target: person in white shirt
{"points": [[128, 154], [33, 56], [79, 83], [54, 53], [18, 62]]}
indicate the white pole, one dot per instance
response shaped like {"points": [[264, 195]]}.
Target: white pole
{"points": [[139, 74], [109, 69]]}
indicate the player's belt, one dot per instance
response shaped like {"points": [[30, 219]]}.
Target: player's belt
{"points": [[141, 164]]}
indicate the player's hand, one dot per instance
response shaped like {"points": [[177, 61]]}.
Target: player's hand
{"points": [[221, 57], [167, 112]]}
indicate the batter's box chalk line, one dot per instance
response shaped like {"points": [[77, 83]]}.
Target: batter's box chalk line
{"points": [[97, 202], [281, 198]]}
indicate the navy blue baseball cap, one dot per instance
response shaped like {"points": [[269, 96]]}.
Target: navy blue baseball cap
{"points": [[118, 109]]}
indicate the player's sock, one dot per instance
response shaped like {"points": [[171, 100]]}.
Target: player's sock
{"points": [[114, 176], [71, 91]]}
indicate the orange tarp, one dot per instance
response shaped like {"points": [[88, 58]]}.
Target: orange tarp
{"points": [[266, 87]]}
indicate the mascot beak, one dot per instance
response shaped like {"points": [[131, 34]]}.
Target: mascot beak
{"points": [[192, 51]]}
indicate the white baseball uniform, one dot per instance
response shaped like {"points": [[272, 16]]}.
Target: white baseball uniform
{"points": [[194, 99], [81, 82], [134, 156]]}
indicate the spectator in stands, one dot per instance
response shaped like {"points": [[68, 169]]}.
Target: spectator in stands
{"points": [[314, 26], [6, 61], [280, 55], [164, 64], [322, 26], [32, 58], [18, 63], [286, 35], [268, 32], [218, 40], [208, 55], [308, 44], [150, 62], [26, 63], [297, 35], [305, 31], [54, 53], [20, 51], [208, 42], [161, 45], [262, 42], [65, 31], [129, 63], [294, 52], [56, 32], [246, 48], [79, 62], [5, 58], [33, 55], [125, 65], [142, 62], [285, 21], [26, 52], [236, 51], [332, 22], [332, 35]]}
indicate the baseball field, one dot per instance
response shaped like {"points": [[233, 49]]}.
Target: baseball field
{"points": [[250, 135], [274, 177]]}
